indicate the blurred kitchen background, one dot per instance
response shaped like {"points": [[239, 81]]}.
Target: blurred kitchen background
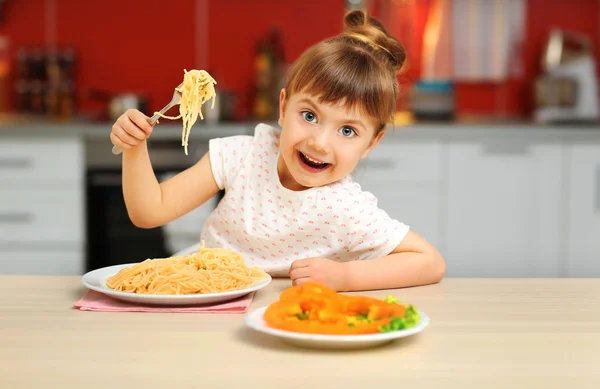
{"points": [[494, 155]]}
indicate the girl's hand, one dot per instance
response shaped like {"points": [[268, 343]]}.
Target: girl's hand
{"points": [[321, 271], [130, 129]]}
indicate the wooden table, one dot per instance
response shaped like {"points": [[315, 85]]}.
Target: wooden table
{"points": [[485, 333]]}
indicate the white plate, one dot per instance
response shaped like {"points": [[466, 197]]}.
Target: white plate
{"points": [[255, 321], [96, 280]]}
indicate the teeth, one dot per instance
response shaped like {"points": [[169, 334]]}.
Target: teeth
{"points": [[313, 160]]}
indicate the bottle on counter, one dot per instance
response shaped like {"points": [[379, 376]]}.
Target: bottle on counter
{"points": [[269, 63], [23, 96], [23, 69], [37, 101], [67, 64], [4, 73]]}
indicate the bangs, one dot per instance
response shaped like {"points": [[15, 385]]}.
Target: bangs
{"points": [[333, 74]]}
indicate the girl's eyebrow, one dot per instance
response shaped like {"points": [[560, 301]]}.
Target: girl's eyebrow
{"points": [[308, 101], [355, 122]]}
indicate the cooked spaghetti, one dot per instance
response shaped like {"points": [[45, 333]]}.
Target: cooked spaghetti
{"points": [[198, 87], [210, 270]]}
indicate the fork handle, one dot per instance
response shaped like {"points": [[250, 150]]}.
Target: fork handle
{"points": [[116, 150]]}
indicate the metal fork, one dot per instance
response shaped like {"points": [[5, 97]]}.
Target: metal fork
{"points": [[174, 101]]}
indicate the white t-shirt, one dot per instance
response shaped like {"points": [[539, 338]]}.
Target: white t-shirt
{"points": [[272, 226]]}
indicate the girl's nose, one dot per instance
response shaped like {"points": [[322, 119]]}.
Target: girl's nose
{"points": [[319, 141]]}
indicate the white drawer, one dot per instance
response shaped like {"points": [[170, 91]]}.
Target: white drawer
{"points": [[48, 215], [48, 159], [55, 263]]}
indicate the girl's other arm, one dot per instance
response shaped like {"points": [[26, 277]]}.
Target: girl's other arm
{"points": [[414, 262]]}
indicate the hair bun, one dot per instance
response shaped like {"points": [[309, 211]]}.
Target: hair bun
{"points": [[355, 18], [360, 27]]}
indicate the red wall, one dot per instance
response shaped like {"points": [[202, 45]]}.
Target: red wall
{"points": [[302, 24], [124, 46], [144, 46]]}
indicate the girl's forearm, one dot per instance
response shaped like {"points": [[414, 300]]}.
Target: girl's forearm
{"points": [[396, 270], [141, 188]]}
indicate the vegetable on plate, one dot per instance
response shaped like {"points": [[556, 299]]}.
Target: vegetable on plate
{"points": [[313, 308]]}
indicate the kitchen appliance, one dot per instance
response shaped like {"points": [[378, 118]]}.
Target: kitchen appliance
{"points": [[567, 90]]}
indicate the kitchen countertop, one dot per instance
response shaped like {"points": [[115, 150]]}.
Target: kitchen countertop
{"points": [[485, 333], [459, 130], [101, 131]]}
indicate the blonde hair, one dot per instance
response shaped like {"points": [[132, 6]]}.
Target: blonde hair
{"points": [[358, 67]]}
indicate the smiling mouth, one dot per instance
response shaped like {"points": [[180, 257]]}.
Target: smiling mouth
{"points": [[311, 163]]}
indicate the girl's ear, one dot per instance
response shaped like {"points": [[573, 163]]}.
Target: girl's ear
{"points": [[373, 143], [282, 102]]}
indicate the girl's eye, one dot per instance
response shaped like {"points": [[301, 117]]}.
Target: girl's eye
{"points": [[309, 116], [347, 131]]}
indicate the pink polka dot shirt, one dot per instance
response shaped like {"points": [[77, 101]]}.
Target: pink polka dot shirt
{"points": [[272, 226]]}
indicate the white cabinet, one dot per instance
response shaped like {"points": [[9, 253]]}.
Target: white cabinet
{"points": [[503, 205], [405, 177], [42, 215], [48, 159], [583, 216], [50, 215]]}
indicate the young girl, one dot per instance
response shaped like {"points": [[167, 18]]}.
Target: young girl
{"points": [[290, 204]]}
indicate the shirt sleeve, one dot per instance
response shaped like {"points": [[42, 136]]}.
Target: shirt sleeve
{"points": [[227, 156], [373, 233]]}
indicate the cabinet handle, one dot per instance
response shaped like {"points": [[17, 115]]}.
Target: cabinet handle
{"points": [[380, 163], [15, 163], [16, 217], [504, 147]]}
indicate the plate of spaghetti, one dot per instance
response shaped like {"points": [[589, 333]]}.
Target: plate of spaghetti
{"points": [[315, 316], [208, 276]]}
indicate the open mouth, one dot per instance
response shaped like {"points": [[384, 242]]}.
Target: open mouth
{"points": [[312, 164]]}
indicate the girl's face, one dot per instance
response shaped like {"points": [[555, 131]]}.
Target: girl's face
{"points": [[320, 143]]}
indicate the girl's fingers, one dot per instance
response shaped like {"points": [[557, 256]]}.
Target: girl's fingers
{"points": [[118, 142], [140, 121], [125, 137], [299, 272], [133, 130]]}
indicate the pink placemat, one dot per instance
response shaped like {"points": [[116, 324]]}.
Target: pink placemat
{"points": [[96, 301]]}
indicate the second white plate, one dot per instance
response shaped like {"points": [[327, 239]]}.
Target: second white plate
{"points": [[255, 321], [96, 280]]}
